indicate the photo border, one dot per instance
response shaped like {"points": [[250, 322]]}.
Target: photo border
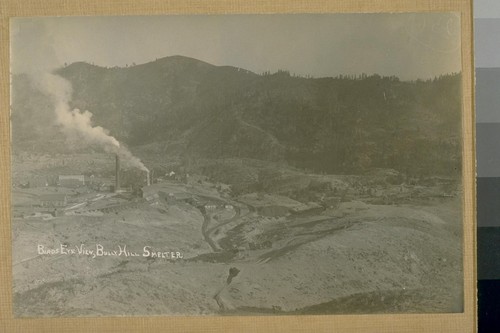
{"points": [[458, 322]]}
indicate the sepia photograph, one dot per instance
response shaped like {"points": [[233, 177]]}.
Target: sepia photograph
{"points": [[237, 165]]}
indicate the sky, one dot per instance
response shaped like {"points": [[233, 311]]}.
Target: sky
{"points": [[409, 46]]}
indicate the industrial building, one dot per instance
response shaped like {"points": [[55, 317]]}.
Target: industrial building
{"points": [[71, 181], [53, 200]]}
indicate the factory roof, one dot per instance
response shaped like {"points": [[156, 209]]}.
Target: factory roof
{"points": [[53, 197]]}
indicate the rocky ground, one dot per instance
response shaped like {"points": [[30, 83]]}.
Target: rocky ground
{"points": [[354, 258]]}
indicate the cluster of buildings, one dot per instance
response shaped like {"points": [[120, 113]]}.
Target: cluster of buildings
{"points": [[172, 196]]}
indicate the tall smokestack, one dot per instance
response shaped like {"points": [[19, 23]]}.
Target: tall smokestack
{"points": [[117, 173], [148, 178]]}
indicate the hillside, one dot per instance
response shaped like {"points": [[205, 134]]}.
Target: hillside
{"points": [[186, 107], [252, 195]]}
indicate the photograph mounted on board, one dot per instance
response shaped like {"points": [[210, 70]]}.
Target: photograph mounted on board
{"points": [[280, 164]]}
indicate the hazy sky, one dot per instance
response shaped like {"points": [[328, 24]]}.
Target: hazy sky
{"points": [[406, 45]]}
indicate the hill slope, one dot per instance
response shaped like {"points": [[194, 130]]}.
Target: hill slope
{"points": [[341, 124]]}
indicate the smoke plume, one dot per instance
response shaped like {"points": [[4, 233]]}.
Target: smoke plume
{"points": [[35, 52], [76, 122]]}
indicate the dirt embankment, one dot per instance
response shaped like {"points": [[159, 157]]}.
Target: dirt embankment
{"points": [[388, 259], [359, 258]]}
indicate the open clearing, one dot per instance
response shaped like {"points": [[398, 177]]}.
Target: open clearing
{"points": [[353, 257]]}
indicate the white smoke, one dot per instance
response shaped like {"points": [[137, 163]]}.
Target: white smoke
{"points": [[36, 52], [75, 122]]}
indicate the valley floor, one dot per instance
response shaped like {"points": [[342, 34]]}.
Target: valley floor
{"points": [[353, 257]]}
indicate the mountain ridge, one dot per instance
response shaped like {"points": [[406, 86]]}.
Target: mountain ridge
{"points": [[341, 124]]}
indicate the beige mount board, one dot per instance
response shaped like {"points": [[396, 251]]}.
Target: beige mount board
{"points": [[435, 321]]}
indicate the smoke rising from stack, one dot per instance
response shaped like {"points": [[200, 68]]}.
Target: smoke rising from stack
{"points": [[76, 122], [117, 173], [35, 52], [40, 69], [73, 121]]}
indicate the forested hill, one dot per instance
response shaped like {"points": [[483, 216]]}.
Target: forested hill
{"points": [[343, 125]]}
